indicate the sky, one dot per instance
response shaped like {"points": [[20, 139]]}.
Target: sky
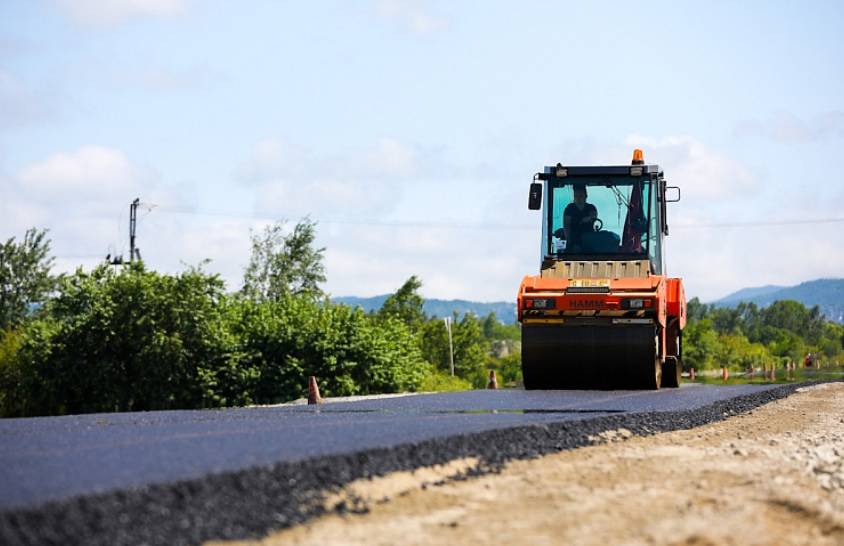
{"points": [[410, 130]]}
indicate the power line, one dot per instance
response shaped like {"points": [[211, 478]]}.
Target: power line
{"points": [[761, 223], [357, 221], [488, 226]]}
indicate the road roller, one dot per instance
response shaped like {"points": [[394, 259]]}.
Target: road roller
{"points": [[602, 313]]}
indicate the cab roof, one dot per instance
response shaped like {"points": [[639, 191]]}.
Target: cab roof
{"points": [[559, 171]]}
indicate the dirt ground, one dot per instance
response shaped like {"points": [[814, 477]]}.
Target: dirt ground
{"points": [[773, 476]]}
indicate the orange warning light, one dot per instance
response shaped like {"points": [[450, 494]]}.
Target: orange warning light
{"points": [[638, 157]]}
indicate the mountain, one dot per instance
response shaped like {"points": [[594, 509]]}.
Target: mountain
{"points": [[504, 310], [748, 294], [828, 294]]}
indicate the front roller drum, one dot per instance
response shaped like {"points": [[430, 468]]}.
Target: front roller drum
{"points": [[590, 357]]}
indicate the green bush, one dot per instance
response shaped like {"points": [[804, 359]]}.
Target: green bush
{"points": [[125, 341], [508, 369], [440, 381], [134, 340], [285, 341]]}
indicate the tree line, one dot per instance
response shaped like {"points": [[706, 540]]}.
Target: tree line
{"points": [[131, 339], [749, 336]]}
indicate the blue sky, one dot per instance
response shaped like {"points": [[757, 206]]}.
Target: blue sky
{"points": [[410, 130]]}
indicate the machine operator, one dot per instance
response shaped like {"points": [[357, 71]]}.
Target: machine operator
{"points": [[578, 218]]}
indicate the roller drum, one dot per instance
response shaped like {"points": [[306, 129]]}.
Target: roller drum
{"points": [[590, 357]]}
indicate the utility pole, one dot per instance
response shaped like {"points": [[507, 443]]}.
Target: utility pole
{"points": [[133, 222], [450, 346]]}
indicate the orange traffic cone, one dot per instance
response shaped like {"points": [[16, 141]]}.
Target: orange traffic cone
{"points": [[313, 391], [493, 382]]}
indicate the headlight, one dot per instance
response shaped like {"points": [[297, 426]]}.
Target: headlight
{"points": [[633, 304]]}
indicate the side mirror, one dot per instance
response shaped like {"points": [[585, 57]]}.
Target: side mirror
{"points": [[535, 196], [670, 197]]}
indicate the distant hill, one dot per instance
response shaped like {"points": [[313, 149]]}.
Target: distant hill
{"points": [[504, 310], [748, 294], [828, 294]]}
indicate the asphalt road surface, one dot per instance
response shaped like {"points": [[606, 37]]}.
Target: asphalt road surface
{"points": [[53, 458]]}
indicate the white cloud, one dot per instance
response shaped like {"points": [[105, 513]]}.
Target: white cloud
{"points": [[715, 260], [788, 128], [703, 173], [82, 197], [391, 158], [169, 79], [462, 242], [291, 181], [452, 263], [414, 14], [274, 159], [89, 172], [109, 13]]}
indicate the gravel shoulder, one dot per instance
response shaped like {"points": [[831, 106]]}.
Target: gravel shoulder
{"points": [[774, 475]]}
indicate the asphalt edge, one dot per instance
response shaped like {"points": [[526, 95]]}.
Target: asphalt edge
{"points": [[250, 503]]}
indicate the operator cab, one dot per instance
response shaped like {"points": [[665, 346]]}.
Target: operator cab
{"points": [[613, 213]]}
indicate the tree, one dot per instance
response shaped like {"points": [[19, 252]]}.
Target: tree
{"points": [[469, 350], [126, 341], [283, 264], [699, 344], [695, 310], [796, 318], [406, 304], [24, 275]]}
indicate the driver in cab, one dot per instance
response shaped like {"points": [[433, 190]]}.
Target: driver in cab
{"points": [[578, 218]]}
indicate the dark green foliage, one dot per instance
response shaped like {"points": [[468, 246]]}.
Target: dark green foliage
{"points": [[281, 264], [478, 345], [24, 275], [133, 340], [699, 344], [748, 335], [406, 304], [139, 340], [497, 330], [285, 341], [470, 350], [827, 294]]}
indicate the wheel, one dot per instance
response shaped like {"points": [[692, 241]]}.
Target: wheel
{"points": [[671, 370], [652, 369]]}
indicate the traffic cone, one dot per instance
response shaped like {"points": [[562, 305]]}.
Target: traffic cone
{"points": [[313, 391], [493, 382]]}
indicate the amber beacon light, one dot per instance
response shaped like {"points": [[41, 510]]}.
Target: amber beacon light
{"points": [[638, 157]]}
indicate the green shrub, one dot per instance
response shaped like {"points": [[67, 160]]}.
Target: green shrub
{"points": [[285, 341], [439, 381]]}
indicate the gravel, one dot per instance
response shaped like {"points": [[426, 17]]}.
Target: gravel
{"points": [[249, 503]]}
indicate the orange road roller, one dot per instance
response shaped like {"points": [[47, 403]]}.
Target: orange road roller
{"points": [[602, 313]]}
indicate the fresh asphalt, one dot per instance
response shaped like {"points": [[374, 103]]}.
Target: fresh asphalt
{"points": [[56, 458]]}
